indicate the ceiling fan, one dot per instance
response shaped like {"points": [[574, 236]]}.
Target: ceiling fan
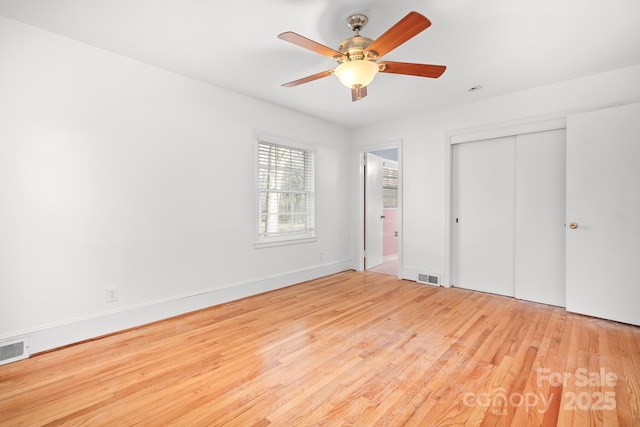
{"points": [[357, 55]]}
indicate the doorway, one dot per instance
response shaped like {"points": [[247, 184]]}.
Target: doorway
{"points": [[381, 210]]}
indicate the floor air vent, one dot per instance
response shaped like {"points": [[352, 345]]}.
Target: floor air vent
{"points": [[13, 350], [429, 279]]}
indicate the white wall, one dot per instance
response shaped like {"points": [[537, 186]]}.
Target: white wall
{"points": [[425, 151], [116, 173]]}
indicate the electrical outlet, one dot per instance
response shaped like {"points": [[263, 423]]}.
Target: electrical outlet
{"points": [[112, 294]]}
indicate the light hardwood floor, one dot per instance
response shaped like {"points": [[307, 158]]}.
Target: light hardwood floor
{"points": [[349, 349]]}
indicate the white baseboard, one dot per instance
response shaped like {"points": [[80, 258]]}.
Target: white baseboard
{"points": [[48, 337]]}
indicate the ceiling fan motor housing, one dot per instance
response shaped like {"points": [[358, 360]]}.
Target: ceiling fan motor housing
{"points": [[353, 47]]}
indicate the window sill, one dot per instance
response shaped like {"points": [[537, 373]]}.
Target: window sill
{"points": [[283, 242]]}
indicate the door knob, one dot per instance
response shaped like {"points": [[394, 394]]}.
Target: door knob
{"points": [[573, 225]]}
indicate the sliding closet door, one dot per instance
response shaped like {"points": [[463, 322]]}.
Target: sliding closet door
{"points": [[508, 216], [484, 215], [540, 217]]}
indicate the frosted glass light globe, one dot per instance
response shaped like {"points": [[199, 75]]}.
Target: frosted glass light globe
{"points": [[359, 72]]}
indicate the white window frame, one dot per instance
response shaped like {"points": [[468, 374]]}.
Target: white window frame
{"points": [[261, 241]]}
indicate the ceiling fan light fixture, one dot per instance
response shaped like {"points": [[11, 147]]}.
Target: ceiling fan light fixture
{"points": [[356, 73], [357, 55]]}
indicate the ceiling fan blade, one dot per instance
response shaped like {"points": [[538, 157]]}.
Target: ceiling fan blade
{"points": [[420, 70], [357, 93], [306, 43], [308, 78], [408, 27]]}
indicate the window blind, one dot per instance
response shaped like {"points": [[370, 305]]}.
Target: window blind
{"points": [[285, 191], [390, 187]]}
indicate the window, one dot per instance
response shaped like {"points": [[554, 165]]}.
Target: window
{"points": [[390, 187], [285, 192]]}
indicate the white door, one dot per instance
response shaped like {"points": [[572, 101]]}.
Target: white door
{"points": [[374, 211], [484, 215], [603, 199], [540, 217], [508, 216]]}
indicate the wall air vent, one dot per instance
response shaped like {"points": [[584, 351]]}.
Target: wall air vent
{"points": [[429, 279], [13, 350]]}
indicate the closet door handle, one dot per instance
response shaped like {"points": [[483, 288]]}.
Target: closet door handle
{"points": [[573, 225], [382, 217]]}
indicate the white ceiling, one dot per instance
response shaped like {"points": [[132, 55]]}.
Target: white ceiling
{"points": [[503, 45]]}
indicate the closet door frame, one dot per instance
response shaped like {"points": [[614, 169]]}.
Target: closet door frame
{"points": [[475, 134]]}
